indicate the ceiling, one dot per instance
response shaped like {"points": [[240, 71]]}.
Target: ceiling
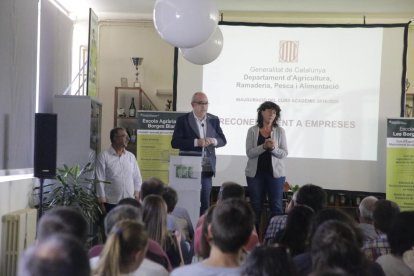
{"points": [[118, 9]]}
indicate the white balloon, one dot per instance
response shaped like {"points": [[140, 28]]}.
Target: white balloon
{"points": [[185, 23], [205, 52]]}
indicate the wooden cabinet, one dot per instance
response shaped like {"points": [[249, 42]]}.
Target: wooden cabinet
{"points": [[348, 201], [122, 101]]}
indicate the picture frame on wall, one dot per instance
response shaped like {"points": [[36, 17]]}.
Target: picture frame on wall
{"points": [[124, 82]]}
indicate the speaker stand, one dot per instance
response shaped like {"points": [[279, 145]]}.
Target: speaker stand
{"points": [[40, 210]]}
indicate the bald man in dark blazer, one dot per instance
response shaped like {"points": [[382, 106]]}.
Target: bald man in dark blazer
{"points": [[198, 133]]}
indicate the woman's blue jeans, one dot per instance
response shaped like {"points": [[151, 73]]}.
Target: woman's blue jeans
{"points": [[262, 185]]}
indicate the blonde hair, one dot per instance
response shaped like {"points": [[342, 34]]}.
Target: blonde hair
{"points": [[155, 218], [126, 238]]}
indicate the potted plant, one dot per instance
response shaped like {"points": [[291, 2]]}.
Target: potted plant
{"points": [[75, 187]]}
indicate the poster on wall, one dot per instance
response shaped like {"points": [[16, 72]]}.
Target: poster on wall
{"points": [[154, 133], [92, 55], [400, 162]]}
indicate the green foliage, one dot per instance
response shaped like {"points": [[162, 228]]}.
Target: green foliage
{"points": [[294, 188], [75, 187]]}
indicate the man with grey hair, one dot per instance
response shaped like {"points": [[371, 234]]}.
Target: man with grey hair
{"points": [[198, 133], [365, 216]]}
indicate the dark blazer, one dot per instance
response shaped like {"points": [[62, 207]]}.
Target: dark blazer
{"points": [[186, 130]]}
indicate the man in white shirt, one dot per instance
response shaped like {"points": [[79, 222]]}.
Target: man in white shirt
{"points": [[119, 167]]}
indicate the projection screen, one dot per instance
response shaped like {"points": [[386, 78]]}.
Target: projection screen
{"points": [[335, 84]]}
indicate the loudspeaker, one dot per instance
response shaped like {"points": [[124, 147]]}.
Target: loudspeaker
{"points": [[45, 145]]}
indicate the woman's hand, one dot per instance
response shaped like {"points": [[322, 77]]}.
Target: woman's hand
{"points": [[269, 144]]}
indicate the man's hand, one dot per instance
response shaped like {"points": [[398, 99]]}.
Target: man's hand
{"points": [[136, 195], [102, 200], [205, 142]]}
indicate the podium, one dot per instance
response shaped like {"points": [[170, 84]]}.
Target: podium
{"points": [[185, 178]]}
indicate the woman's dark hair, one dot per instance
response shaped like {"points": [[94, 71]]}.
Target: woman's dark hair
{"points": [[264, 106], [401, 233], [267, 261], [335, 214], [335, 244], [295, 234]]}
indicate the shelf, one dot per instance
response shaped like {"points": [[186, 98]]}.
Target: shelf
{"points": [[164, 92]]}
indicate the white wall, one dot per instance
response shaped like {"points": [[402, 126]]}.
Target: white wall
{"points": [[118, 43]]}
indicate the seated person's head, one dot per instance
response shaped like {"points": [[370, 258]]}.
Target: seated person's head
{"points": [[57, 255], [366, 209], [130, 201], [62, 220], [124, 249], [401, 233], [231, 190], [231, 225], [152, 186], [335, 244], [268, 260], [170, 197], [120, 213], [384, 212], [312, 196], [335, 214]]}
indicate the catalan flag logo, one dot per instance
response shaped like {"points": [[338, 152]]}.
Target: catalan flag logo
{"points": [[288, 51]]}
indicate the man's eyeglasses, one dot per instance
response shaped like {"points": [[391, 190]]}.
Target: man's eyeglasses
{"points": [[201, 103]]}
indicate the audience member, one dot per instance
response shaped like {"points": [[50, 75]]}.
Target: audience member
{"points": [[180, 214], [152, 186], [401, 240], [384, 213], [205, 238], [268, 261], [124, 250], [294, 235], [335, 244], [230, 228], [57, 255], [310, 195], [63, 220], [303, 262], [365, 216], [227, 190], [156, 260], [331, 271], [176, 224], [155, 218], [130, 201]]}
